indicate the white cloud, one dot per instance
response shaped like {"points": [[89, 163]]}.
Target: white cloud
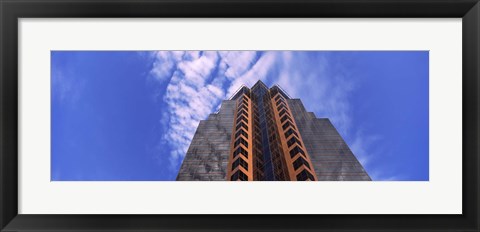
{"points": [[238, 62], [361, 147], [368, 149], [66, 87], [258, 71], [193, 92], [164, 64], [382, 175]]}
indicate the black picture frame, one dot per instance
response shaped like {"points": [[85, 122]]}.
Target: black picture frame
{"points": [[12, 10]]}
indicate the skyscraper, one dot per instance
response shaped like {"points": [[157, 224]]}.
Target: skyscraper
{"points": [[262, 134]]}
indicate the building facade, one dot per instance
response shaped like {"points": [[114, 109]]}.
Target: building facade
{"points": [[261, 134]]}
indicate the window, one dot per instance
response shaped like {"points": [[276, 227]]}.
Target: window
{"points": [[282, 112], [280, 101], [295, 151], [241, 124], [285, 117], [270, 121], [257, 131], [240, 162], [267, 111], [257, 134], [242, 151], [282, 106], [242, 141], [292, 141], [260, 176], [305, 175], [241, 117], [258, 144], [242, 106], [289, 132], [287, 124], [239, 175], [272, 138], [277, 97], [299, 162], [242, 112], [241, 132], [245, 101]]}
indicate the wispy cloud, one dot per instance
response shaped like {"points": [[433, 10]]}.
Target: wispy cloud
{"points": [[381, 175], [66, 87], [365, 147]]}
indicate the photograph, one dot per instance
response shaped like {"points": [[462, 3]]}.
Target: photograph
{"points": [[158, 115], [246, 115]]}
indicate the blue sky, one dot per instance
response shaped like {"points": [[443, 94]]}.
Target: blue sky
{"points": [[130, 115]]}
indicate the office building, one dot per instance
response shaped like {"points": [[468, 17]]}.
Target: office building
{"points": [[262, 134]]}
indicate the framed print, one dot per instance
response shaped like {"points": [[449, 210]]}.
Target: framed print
{"points": [[123, 115]]}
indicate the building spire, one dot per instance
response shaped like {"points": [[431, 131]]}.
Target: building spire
{"points": [[259, 84]]}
